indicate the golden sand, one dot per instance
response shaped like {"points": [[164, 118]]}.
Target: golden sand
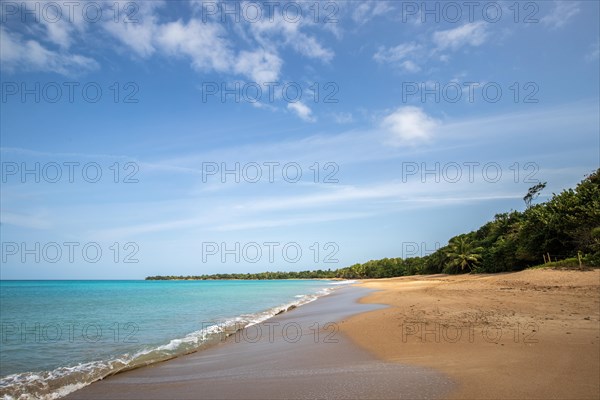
{"points": [[530, 334]]}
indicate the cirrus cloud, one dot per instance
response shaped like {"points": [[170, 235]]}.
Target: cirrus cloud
{"points": [[470, 34]]}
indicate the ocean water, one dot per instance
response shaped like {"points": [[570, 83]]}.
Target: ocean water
{"points": [[58, 336]]}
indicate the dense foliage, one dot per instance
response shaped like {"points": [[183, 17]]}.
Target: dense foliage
{"points": [[564, 227]]}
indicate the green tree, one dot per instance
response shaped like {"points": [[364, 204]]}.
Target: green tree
{"points": [[533, 193], [462, 255]]}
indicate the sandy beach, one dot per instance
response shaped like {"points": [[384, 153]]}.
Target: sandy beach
{"points": [[530, 334], [298, 364]]}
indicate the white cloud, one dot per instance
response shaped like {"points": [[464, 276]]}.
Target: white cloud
{"points": [[60, 33], [409, 126], [208, 46], [408, 56], [276, 31], [562, 12], [57, 25], [203, 43], [259, 65], [302, 110], [310, 47], [30, 55], [138, 36], [365, 11], [399, 55], [472, 34]]}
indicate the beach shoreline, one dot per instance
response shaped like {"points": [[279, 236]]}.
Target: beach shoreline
{"points": [[320, 362], [196, 323], [528, 334]]}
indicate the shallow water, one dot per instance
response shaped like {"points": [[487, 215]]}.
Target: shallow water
{"points": [[58, 336]]}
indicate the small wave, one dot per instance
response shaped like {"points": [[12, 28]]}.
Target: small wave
{"points": [[50, 385], [349, 282]]}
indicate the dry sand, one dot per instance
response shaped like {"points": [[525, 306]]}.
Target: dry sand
{"points": [[549, 346]]}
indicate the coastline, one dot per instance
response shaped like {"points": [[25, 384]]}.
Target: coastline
{"points": [[529, 334], [56, 381], [290, 358]]}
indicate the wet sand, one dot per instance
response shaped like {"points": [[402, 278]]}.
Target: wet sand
{"points": [[533, 334], [321, 363]]}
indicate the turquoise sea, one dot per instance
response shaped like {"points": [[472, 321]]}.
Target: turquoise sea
{"points": [[58, 336]]}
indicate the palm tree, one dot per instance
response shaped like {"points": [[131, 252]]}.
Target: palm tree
{"points": [[461, 254]]}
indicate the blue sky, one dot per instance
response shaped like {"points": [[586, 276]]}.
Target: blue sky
{"points": [[422, 121]]}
